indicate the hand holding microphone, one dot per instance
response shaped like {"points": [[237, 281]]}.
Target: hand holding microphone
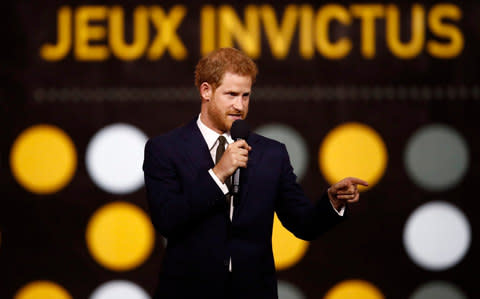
{"points": [[235, 156]]}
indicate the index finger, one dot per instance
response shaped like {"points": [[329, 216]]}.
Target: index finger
{"points": [[357, 181], [242, 144]]}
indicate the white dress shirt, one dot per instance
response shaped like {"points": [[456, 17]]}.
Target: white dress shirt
{"points": [[211, 138]]}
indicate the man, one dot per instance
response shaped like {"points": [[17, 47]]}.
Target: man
{"points": [[218, 247]]}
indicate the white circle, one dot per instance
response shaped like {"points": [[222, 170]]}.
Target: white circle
{"points": [[294, 142], [119, 289], [437, 235], [114, 158]]}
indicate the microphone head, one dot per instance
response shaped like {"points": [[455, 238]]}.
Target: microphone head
{"points": [[240, 129]]}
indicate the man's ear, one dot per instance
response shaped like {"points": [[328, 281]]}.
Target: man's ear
{"points": [[206, 91]]}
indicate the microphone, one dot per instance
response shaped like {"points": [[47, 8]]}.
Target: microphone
{"points": [[239, 130]]}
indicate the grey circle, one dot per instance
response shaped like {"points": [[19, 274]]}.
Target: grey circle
{"points": [[436, 157], [296, 146], [438, 290], [287, 290]]}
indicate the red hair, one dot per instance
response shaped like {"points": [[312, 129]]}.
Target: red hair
{"points": [[213, 66]]}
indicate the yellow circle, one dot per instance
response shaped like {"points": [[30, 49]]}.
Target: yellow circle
{"points": [[120, 236], [353, 150], [43, 159], [287, 249], [42, 289], [354, 289]]}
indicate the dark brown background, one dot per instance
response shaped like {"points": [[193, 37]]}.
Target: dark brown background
{"points": [[43, 236]]}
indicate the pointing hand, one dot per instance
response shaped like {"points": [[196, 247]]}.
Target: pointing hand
{"points": [[345, 191]]}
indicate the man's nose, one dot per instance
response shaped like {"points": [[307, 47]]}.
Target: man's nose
{"points": [[238, 104]]}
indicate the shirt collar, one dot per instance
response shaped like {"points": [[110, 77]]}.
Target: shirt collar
{"points": [[210, 135]]}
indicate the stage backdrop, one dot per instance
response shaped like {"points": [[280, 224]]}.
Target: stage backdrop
{"points": [[388, 92]]}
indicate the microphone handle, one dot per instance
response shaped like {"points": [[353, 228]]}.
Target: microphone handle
{"points": [[236, 178], [236, 182]]}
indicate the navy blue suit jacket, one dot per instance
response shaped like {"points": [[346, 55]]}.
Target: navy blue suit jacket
{"points": [[189, 209]]}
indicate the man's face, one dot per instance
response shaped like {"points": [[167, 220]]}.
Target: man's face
{"points": [[228, 102]]}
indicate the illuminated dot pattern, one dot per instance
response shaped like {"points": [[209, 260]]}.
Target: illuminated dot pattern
{"points": [[262, 93], [114, 158], [288, 250], [287, 290], [437, 235], [354, 289], [294, 142], [120, 236], [353, 150], [438, 290], [119, 289], [436, 157], [42, 289], [43, 159]]}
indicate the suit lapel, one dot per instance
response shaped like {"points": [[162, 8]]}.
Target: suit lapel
{"points": [[246, 175], [196, 147]]}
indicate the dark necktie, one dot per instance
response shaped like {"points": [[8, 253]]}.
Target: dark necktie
{"points": [[220, 150]]}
